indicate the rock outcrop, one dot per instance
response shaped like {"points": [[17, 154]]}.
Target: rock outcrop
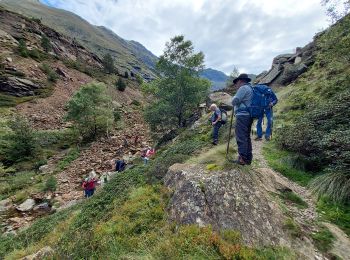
{"points": [[222, 99], [287, 67], [226, 200], [27, 205], [18, 87]]}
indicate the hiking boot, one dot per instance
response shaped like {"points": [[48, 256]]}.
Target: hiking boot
{"points": [[215, 142], [240, 161], [268, 138], [258, 139]]}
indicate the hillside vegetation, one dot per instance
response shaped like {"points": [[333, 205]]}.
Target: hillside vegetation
{"points": [[315, 114]]}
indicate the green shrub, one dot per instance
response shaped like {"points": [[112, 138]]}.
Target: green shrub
{"points": [[121, 85], [46, 44], [50, 184], [50, 73], [90, 110], [337, 213], [70, 157], [22, 48], [21, 140], [323, 239], [116, 115], [108, 64], [139, 79]]}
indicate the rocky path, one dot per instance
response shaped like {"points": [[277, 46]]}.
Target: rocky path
{"points": [[306, 218], [98, 157]]}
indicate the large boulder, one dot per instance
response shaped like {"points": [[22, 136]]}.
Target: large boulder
{"points": [[27, 205], [226, 200], [18, 87], [288, 67], [222, 99]]}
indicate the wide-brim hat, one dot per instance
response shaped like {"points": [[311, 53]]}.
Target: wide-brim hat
{"points": [[242, 76]]}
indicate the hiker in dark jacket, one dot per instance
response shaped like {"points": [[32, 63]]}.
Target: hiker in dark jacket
{"points": [[216, 122], [241, 101], [269, 117]]}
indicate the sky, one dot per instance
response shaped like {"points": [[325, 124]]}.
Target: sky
{"points": [[246, 34]]}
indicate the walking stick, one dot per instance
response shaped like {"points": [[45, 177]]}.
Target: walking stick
{"points": [[229, 135]]}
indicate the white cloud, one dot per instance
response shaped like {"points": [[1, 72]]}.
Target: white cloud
{"points": [[247, 34]]}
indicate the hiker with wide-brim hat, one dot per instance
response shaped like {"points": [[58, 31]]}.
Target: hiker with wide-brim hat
{"points": [[241, 101]]}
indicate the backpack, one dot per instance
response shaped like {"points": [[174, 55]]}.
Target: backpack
{"points": [[262, 97], [223, 116]]}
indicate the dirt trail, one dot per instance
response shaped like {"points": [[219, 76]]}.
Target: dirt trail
{"points": [[306, 218]]}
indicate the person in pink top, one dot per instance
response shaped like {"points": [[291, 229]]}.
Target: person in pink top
{"points": [[147, 154]]}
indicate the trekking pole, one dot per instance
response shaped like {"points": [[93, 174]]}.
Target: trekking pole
{"points": [[229, 135]]}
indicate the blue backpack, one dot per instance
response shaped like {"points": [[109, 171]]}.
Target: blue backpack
{"points": [[262, 97]]}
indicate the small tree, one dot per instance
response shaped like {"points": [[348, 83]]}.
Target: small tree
{"points": [[45, 43], [108, 63], [22, 141], [22, 48], [91, 110], [126, 75], [180, 90], [121, 85]]}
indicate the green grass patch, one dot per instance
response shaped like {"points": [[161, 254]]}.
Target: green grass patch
{"points": [[291, 197], [292, 227], [72, 155], [323, 239], [16, 182], [336, 213], [280, 161], [11, 101]]}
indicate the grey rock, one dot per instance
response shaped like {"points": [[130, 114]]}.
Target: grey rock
{"points": [[61, 72], [17, 87], [226, 200], [42, 207], [222, 99], [26, 206], [44, 253], [44, 169], [5, 205], [288, 67], [9, 59]]}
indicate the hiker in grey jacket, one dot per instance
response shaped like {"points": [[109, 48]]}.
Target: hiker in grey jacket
{"points": [[241, 101]]}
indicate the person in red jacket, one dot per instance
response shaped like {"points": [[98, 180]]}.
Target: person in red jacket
{"points": [[89, 186]]}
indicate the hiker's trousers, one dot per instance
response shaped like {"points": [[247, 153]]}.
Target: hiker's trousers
{"points": [[216, 128], [244, 142], [269, 118]]}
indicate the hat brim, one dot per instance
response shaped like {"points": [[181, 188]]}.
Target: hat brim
{"points": [[236, 79]]}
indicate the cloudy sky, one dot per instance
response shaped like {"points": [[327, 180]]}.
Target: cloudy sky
{"points": [[241, 33]]}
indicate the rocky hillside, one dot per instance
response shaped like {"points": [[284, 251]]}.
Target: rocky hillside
{"points": [[128, 55], [40, 72]]}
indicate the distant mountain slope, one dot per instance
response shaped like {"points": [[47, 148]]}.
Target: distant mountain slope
{"points": [[217, 78], [100, 40]]}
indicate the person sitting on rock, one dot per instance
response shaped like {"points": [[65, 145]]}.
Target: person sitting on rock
{"points": [[216, 122]]}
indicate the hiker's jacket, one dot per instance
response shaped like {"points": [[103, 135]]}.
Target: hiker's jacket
{"points": [[242, 100], [215, 115]]}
